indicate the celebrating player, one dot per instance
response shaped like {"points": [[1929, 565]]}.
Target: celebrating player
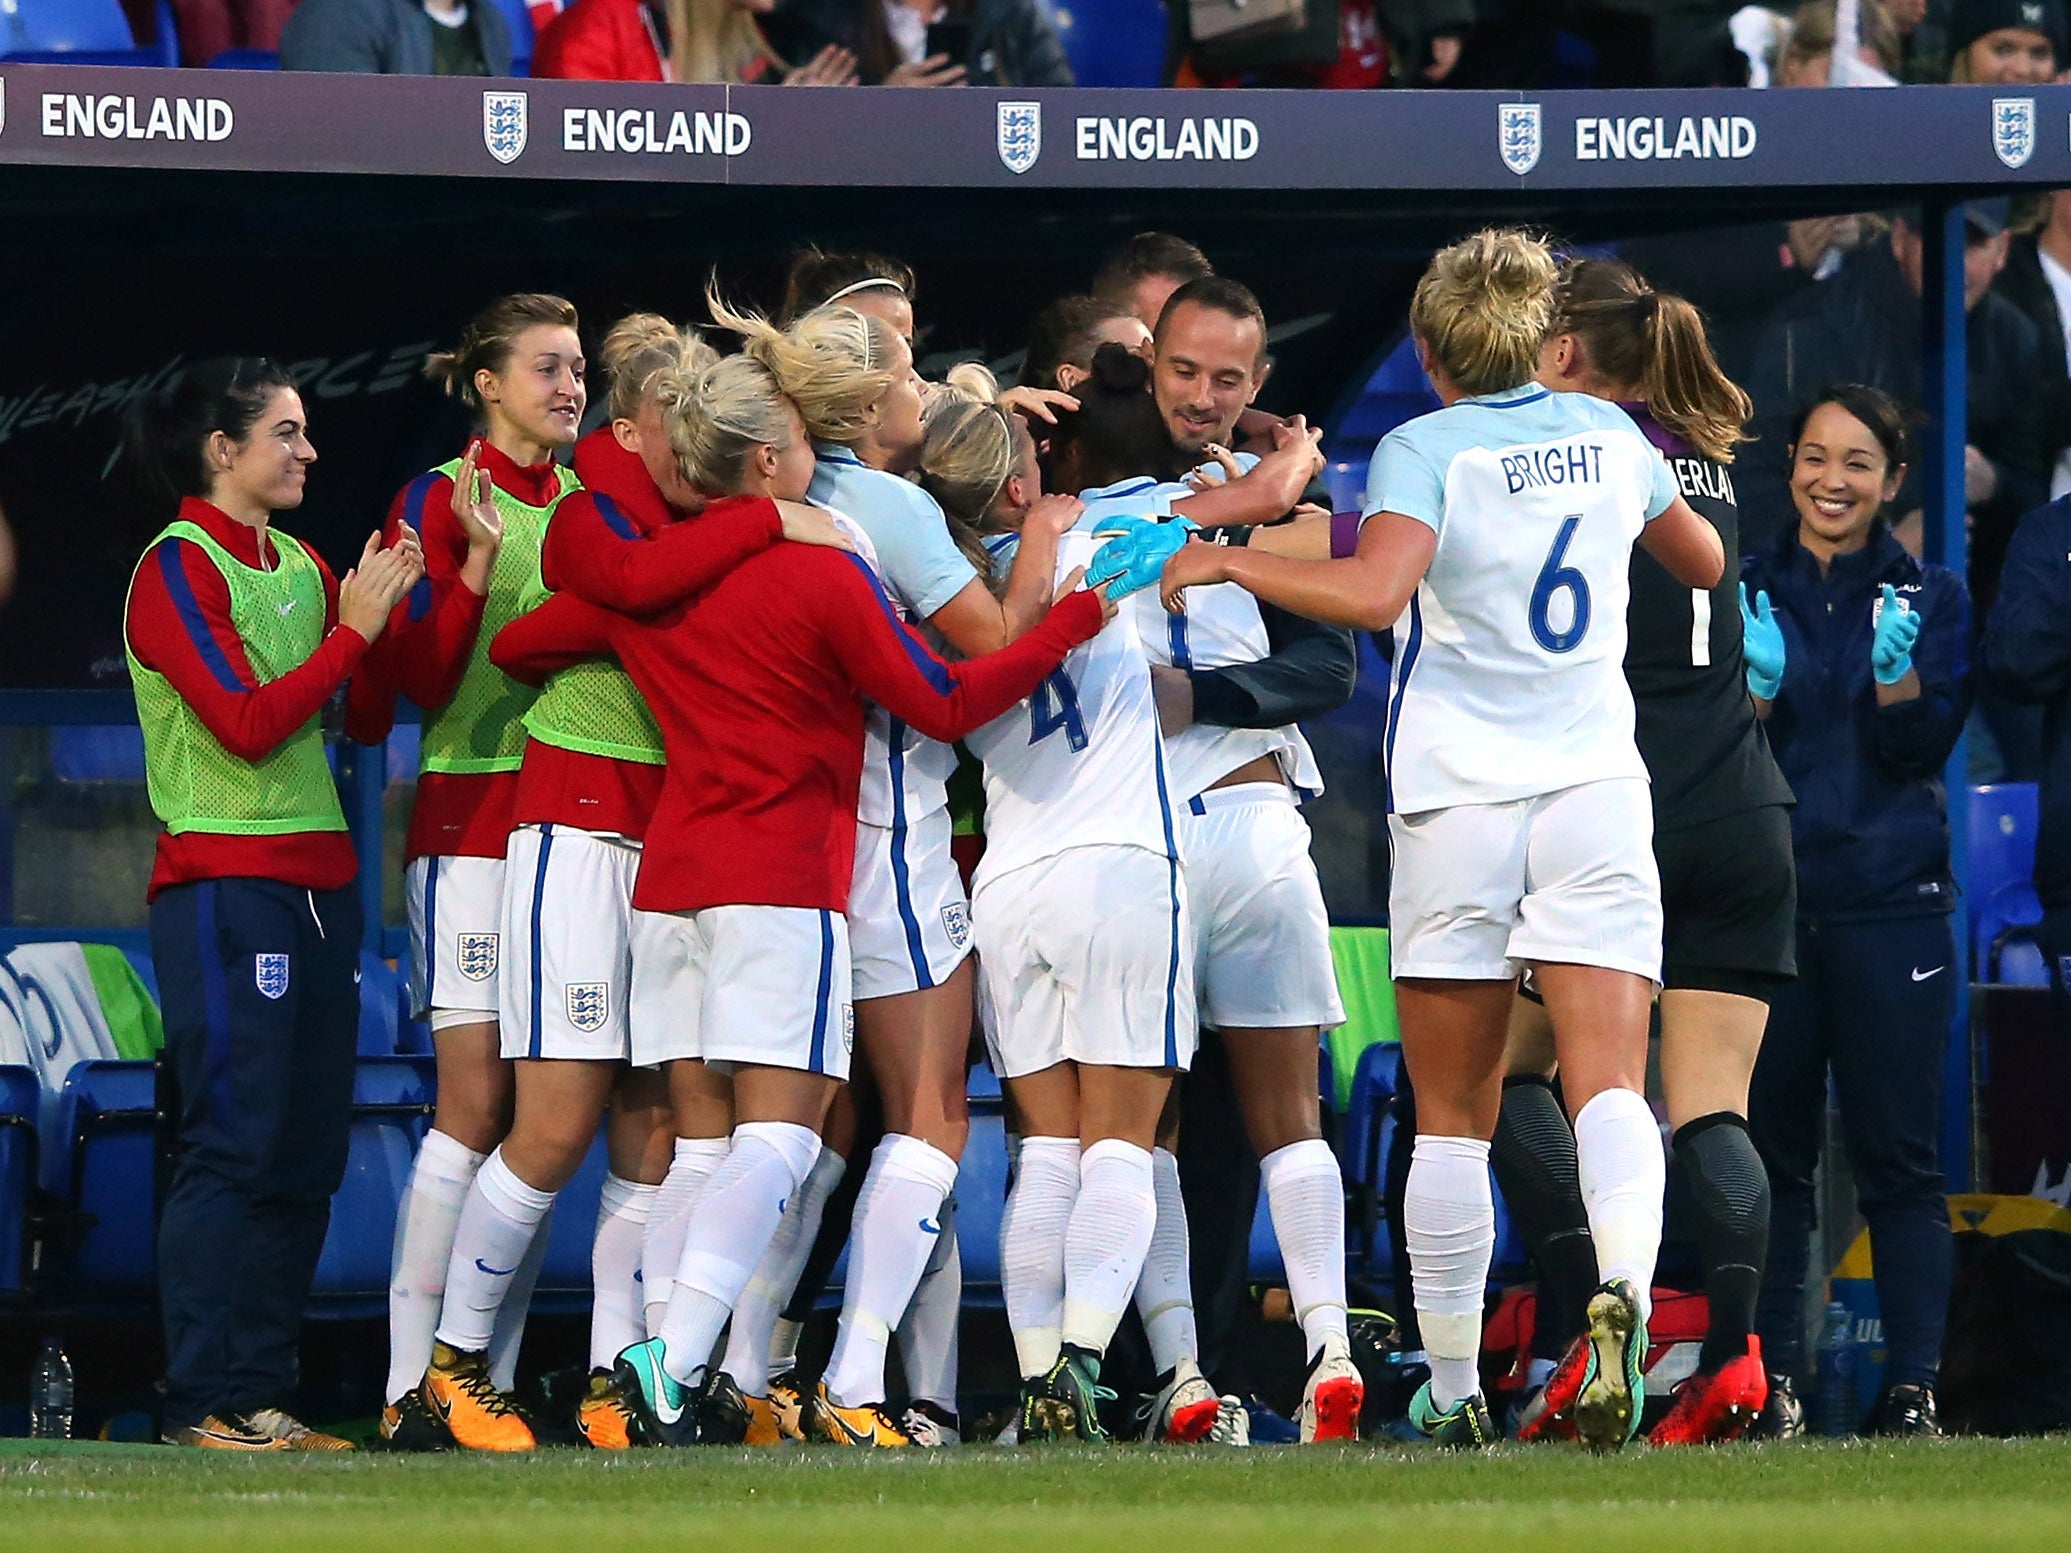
{"points": [[480, 518], [1722, 841], [1496, 547]]}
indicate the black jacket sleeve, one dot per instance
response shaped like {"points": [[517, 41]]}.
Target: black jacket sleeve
{"points": [[1310, 671], [2027, 648]]}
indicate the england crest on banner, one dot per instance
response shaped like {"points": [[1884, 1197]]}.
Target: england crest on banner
{"points": [[476, 953], [589, 1002], [1517, 134], [2013, 129], [272, 976], [1020, 134], [503, 125]]}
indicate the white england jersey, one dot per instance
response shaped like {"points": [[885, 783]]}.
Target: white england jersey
{"points": [[904, 774], [1509, 679], [1221, 626], [1080, 762]]}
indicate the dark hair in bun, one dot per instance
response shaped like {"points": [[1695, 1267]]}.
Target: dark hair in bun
{"points": [[1116, 433]]}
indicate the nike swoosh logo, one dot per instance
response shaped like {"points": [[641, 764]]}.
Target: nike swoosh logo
{"points": [[930, 1229], [440, 1407], [1920, 975], [493, 1272], [663, 1411], [854, 1436], [287, 609]]}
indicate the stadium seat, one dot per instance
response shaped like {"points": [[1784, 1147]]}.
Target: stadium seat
{"points": [[246, 59], [519, 16], [391, 1107], [2003, 906], [100, 1160], [564, 1277], [79, 32], [97, 754], [1359, 956], [1265, 1265], [1373, 1086], [20, 1098], [981, 1192], [380, 1007], [1113, 42]]}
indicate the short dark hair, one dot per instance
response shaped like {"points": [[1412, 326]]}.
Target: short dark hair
{"points": [[1147, 254], [1116, 430], [1063, 334], [1887, 419], [1221, 293], [166, 436], [816, 275]]}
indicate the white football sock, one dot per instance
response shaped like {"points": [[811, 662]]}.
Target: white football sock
{"points": [[511, 1315], [896, 1229], [1449, 1225], [1306, 1194], [928, 1338], [1111, 1225], [695, 1160], [425, 1222], [731, 1225], [1624, 1175], [497, 1226], [755, 1313], [1165, 1292], [1032, 1230], [617, 1316]]}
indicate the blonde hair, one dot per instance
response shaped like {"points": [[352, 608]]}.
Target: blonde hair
{"points": [[834, 363], [971, 450], [1632, 334], [717, 414], [1484, 308], [1812, 34], [717, 41], [639, 348], [490, 337]]}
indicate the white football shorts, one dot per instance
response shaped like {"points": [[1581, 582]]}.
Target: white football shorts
{"points": [[456, 934], [909, 923]]}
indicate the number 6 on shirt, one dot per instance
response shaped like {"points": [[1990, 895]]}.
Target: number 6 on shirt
{"points": [[1054, 704], [1555, 578]]}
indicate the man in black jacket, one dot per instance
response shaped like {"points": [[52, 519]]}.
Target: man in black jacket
{"points": [[2037, 280], [1011, 42], [1864, 326]]}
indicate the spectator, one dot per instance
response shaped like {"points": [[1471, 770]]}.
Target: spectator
{"points": [[1339, 48], [2005, 42], [1064, 336], [1515, 43], [1862, 675], [1807, 55], [2027, 658], [1923, 40], [2037, 280], [209, 27], [398, 37], [931, 42], [1864, 327], [1146, 270], [676, 40]]}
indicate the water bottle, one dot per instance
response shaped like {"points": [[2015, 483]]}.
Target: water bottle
{"points": [[1838, 1413], [50, 1398]]}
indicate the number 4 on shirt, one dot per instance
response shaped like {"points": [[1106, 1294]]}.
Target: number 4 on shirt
{"points": [[1054, 705], [1556, 578]]}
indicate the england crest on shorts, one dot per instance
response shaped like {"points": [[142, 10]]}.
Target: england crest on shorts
{"points": [[503, 125], [1020, 134], [476, 953], [589, 1004], [1517, 135], [2013, 129], [956, 922], [271, 973]]}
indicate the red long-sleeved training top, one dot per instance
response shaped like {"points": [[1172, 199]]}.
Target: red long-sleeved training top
{"points": [[178, 624], [424, 651], [758, 686], [618, 537]]}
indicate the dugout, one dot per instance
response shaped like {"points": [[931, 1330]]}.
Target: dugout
{"points": [[347, 224]]}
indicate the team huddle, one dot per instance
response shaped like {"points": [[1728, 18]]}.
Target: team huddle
{"points": [[685, 864]]}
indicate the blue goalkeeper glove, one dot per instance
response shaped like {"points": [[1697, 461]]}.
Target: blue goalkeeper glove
{"points": [[1761, 645], [1891, 645], [1138, 563], [1112, 559]]}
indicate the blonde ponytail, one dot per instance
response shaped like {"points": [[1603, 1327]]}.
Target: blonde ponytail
{"points": [[834, 363], [717, 415]]}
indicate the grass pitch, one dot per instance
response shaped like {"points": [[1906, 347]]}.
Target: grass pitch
{"points": [[1951, 1496]]}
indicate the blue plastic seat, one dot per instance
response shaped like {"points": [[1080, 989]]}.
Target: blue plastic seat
{"points": [[97, 754], [2004, 909], [981, 1194], [20, 1099], [86, 32], [519, 16], [380, 1007], [391, 1108], [246, 59], [1113, 42], [100, 1157], [1373, 1086]]}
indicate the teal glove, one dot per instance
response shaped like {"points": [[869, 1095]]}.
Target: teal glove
{"points": [[1138, 563], [1761, 645], [1891, 646]]}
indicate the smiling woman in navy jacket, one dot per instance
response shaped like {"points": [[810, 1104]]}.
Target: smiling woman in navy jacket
{"points": [[1858, 658]]}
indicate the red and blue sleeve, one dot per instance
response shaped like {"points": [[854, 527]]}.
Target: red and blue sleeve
{"points": [[179, 625], [431, 633], [594, 551]]}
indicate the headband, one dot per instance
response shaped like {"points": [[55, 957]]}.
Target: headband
{"points": [[863, 285]]}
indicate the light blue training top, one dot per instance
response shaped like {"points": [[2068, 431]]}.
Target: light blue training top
{"points": [[920, 564]]}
